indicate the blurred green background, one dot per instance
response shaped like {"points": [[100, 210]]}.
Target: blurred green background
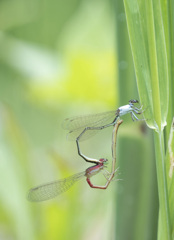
{"points": [[60, 59]]}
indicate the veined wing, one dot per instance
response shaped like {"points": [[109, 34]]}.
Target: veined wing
{"points": [[77, 124], [51, 190], [83, 121]]}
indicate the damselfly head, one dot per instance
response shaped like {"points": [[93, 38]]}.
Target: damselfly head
{"points": [[117, 112], [103, 160], [133, 101]]}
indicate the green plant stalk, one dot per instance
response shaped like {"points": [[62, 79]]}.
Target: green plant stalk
{"points": [[162, 186], [154, 68], [139, 222], [170, 51]]}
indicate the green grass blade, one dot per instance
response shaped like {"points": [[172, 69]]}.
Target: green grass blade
{"points": [[164, 216], [136, 193], [147, 39], [147, 30]]}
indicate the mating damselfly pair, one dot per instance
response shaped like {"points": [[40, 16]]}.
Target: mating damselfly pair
{"points": [[81, 128]]}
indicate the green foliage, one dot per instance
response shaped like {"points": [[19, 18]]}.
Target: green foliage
{"points": [[58, 60], [149, 30], [52, 66]]}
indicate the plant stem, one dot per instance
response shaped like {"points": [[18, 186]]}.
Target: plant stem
{"points": [[162, 187]]}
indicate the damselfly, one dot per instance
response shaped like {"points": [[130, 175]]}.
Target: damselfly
{"points": [[50, 190], [83, 127]]}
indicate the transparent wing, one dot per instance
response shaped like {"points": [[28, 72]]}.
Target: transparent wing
{"points": [[72, 135], [53, 189], [77, 124], [83, 121]]}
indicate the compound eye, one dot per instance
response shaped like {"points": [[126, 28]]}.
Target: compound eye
{"points": [[102, 160], [133, 101]]}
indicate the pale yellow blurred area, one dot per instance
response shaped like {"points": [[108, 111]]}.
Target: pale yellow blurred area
{"points": [[56, 62], [87, 64]]}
